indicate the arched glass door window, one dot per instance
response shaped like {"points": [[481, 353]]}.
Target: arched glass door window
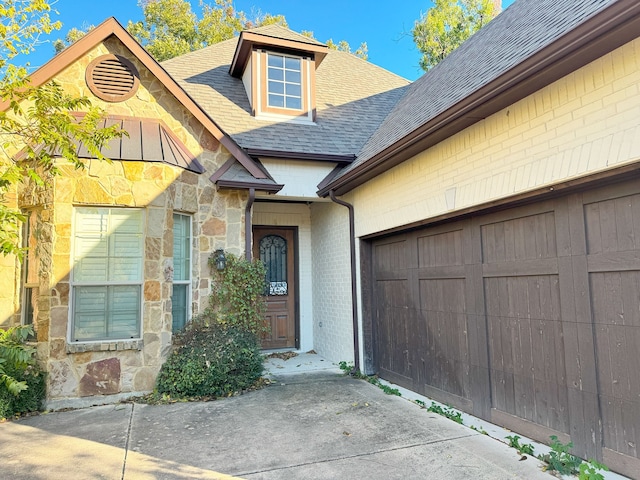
{"points": [[273, 253]]}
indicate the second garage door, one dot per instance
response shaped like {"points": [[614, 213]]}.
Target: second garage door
{"points": [[529, 317]]}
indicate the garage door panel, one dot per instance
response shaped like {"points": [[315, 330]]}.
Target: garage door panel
{"points": [[525, 347], [621, 422], [390, 257], [440, 249], [443, 353], [394, 332], [613, 225], [529, 237], [613, 244]]}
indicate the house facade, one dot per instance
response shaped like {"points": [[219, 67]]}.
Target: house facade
{"points": [[473, 236]]}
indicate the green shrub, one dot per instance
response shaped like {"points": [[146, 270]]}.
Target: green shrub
{"points": [[27, 400], [237, 298], [211, 361], [218, 353], [22, 385]]}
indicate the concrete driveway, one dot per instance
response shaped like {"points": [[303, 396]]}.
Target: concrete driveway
{"points": [[318, 425]]}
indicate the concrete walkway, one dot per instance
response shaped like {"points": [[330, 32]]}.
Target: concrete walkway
{"points": [[306, 425]]}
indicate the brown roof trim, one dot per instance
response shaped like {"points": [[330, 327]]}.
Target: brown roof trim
{"points": [[597, 36], [329, 178], [599, 179], [320, 157], [248, 40], [270, 188], [222, 170], [112, 27]]}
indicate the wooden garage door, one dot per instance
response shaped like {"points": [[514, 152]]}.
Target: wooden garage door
{"points": [[528, 317]]}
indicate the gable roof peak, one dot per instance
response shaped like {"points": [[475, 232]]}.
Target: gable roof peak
{"points": [[111, 27], [283, 33], [274, 36]]}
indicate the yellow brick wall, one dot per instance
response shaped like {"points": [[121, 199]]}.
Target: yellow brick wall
{"points": [[586, 122], [9, 283]]}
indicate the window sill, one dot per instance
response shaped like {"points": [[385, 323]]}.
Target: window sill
{"points": [[282, 118], [113, 346]]}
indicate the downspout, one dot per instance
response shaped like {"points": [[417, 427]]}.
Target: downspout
{"points": [[354, 290], [247, 224]]}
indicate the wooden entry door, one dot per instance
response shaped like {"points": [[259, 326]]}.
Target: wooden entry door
{"points": [[275, 246]]}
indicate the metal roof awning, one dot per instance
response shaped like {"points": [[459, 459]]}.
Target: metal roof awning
{"points": [[148, 140]]}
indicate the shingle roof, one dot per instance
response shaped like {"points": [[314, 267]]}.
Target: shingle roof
{"points": [[523, 29], [233, 175], [352, 97]]}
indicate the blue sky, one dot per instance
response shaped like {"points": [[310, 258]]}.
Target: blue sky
{"points": [[385, 26]]}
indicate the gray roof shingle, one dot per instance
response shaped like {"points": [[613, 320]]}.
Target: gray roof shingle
{"points": [[524, 28], [352, 98]]}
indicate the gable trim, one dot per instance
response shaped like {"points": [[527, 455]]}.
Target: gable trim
{"points": [[112, 27], [248, 40]]}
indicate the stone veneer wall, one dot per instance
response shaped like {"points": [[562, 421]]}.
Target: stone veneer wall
{"points": [[109, 368]]}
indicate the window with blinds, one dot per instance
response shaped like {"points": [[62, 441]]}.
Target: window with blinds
{"points": [[107, 274], [181, 296]]}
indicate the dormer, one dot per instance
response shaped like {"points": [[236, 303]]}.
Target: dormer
{"points": [[278, 67]]}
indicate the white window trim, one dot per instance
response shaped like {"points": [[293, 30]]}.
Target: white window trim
{"points": [[262, 109], [284, 81], [73, 284], [26, 286], [189, 281]]}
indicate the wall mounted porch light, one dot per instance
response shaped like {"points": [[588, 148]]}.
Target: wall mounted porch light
{"points": [[220, 259]]}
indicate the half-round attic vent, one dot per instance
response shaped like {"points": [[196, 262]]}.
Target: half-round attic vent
{"points": [[112, 78]]}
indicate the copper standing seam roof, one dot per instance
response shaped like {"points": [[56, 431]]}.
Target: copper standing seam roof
{"points": [[149, 140]]}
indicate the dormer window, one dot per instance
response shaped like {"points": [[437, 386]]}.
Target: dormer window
{"points": [[277, 67], [284, 82]]}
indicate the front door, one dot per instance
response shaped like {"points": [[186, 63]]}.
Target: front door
{"points": [[275, 247]]}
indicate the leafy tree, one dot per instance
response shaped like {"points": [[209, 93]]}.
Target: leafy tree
{"points": [[72, 36], [447, 24], [170, 27], [37, 124], [343, 46]]}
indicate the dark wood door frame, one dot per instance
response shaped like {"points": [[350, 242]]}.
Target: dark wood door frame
{"points": [[292, 233]]}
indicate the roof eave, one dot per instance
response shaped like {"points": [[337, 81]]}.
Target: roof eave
{"points": [[231, 184], [599, 35], [319, 157], [247, 41]]}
